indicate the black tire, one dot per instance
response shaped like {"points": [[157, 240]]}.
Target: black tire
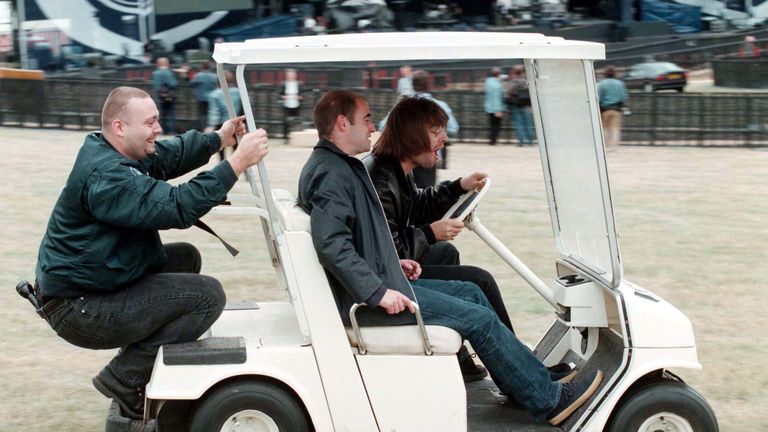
{"points": [[268, 399], [681, 402]]}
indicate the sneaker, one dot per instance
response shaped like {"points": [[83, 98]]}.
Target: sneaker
{"points": [[573, 395], [472, 371], [562, 372], [131, 400]]}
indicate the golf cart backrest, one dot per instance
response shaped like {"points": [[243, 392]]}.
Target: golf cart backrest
{"points": [[295, 222]]}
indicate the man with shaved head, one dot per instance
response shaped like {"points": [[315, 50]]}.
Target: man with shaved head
{"points": [[104, 278]]}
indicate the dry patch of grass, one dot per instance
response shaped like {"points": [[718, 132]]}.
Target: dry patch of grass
{"points": [[691, 224]]}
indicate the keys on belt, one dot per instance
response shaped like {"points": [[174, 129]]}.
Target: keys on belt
{"points": [[43, 307]]}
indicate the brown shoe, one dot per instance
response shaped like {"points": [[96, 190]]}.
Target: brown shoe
{"points": [[573, 395]]}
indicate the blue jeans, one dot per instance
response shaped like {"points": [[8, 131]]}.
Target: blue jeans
{"points": [[462, 306], [523, 119], [174, 306]]}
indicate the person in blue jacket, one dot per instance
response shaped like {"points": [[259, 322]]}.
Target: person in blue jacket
{"points": [[494, 103], [164, 85], [104, 278]]}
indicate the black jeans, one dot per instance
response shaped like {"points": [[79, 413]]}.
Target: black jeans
{"points": [[173, 306], [202, 114], [495, 123], [442, 263]]}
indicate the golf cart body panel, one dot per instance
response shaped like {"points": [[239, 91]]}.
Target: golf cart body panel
{"points": [[407, 378]]}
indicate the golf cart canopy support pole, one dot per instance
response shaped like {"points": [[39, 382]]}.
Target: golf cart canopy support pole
{"points": [[485, 235]]}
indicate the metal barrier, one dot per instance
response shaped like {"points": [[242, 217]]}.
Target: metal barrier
{"points": [[656, 119]]}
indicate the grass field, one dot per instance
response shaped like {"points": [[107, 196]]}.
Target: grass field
{"points": [[692, 225]]}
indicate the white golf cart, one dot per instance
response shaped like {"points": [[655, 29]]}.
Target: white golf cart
{"points": [[293, 366]]}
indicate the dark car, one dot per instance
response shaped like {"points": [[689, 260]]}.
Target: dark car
{"points": [[656, 76]]}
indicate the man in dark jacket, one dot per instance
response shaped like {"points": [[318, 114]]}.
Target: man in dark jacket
{"points": [[103, 276], [414, 214], [353, 243]]}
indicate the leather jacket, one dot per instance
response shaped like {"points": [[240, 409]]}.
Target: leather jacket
{"points": [[103, 232], [410, 210], [351, 240]]}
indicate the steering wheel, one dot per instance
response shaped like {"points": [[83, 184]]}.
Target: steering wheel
{"points": [[467, 203]]}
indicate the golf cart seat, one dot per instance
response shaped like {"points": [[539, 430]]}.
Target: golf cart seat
{"points": [[378, 340]]}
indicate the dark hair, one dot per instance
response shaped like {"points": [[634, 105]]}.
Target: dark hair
{"points": [[330, 106], [406, 133], [420, 81], [610, 72]]}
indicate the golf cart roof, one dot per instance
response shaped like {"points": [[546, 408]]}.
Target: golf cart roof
{"points": [[405, 46]]}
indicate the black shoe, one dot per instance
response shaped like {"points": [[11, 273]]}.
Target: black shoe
{"points": [[131, 400], [562, 372], [573, 395], [472, 371]]}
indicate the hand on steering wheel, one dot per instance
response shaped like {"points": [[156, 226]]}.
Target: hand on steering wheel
{"points": [[446, 229]]}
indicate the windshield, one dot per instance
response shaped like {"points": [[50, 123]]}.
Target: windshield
{"points": [[580, 204]]}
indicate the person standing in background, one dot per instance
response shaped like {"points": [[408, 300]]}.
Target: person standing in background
{"points": [[204, 83], [291, 96], [164, 93], [405, 83], [518, 99], [613, 94], [494, 103]]}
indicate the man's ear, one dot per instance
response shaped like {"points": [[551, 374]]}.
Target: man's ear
{"points": [[118, 127], [341, 122]]}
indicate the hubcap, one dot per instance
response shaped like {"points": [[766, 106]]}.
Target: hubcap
{"points": [[665, 422], [249, 421]]}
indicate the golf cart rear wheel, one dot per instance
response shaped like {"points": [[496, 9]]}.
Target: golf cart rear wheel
{"points": [[667, 406], [249, 406]]}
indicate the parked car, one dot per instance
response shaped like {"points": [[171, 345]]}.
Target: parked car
{"points": [[656, 76]]}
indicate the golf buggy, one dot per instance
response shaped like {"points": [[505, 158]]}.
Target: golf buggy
{"points": [[293, 366]]}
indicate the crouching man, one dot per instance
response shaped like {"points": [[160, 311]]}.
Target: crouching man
{"points": [[104, 278], [353, 243]]}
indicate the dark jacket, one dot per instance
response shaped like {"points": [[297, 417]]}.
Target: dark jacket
{"points": [[410, 210], [350, 234], [102, 234]]}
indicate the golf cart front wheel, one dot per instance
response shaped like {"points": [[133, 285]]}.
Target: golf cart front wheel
{"points": [[668, 406], [249, 406]]}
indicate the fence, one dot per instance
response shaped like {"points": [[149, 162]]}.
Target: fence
{"points": [[656, 119]]}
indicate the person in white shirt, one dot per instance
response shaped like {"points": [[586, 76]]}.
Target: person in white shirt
{"points": [[290, 94]]}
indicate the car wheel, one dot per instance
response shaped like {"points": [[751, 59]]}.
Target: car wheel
{"points": [[680, 89], [668, 406], [647, 87], [249, 406]]}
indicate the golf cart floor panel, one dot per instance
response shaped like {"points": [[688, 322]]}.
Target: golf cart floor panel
{"points": [[490, 411], [607, 358]]}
